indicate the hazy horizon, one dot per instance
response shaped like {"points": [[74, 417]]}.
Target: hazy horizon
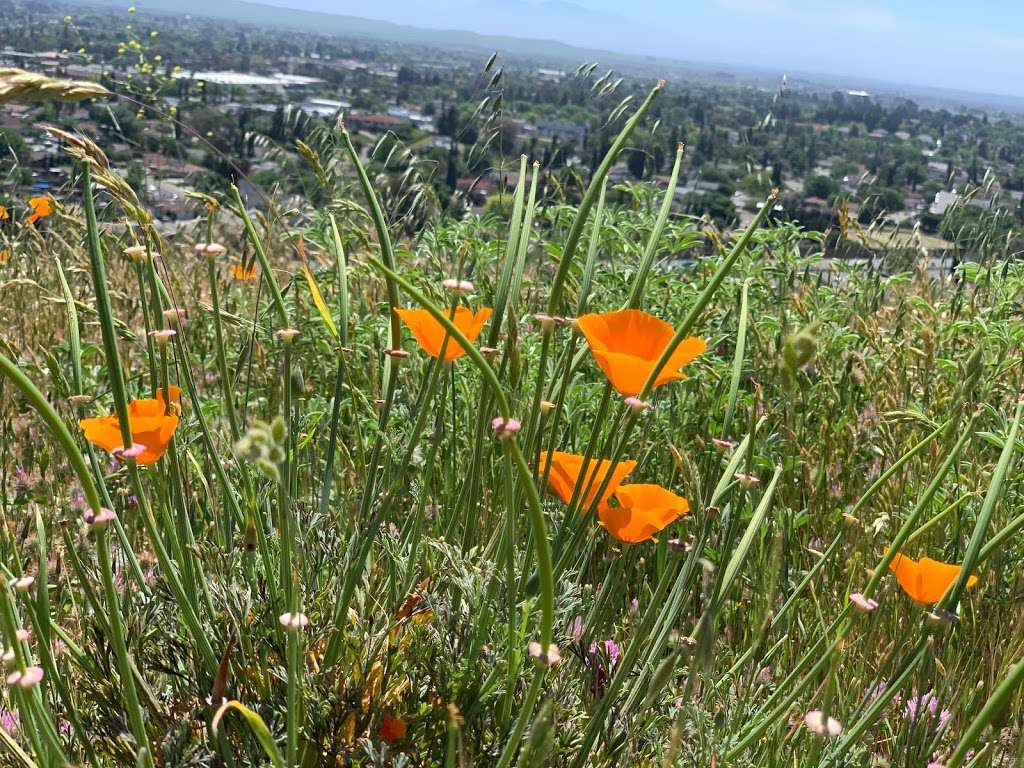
{"points": [[942, 43]]}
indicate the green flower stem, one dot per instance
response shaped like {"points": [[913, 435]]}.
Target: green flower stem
{"points": [[636, 297], [709, 291], [222, 365], [261, 256], [525, 476], [124, 664], [294, 715], [147, 324]]}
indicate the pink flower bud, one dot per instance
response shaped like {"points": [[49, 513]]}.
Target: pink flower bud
{"points": [[816, 721], [505, 428], [636, 405], [457, 286], [866, 604], [293, 621]]}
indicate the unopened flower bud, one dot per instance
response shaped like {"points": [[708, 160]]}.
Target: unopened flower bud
{"points": [[293, 621], [505, 428], [548, 658], [457, 286]]}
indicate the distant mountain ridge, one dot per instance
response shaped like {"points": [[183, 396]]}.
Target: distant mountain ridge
{"points": [[527, 30], [323, 22]]}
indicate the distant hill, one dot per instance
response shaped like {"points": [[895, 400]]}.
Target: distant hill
{"points": [[358, 27], [527, 23]]}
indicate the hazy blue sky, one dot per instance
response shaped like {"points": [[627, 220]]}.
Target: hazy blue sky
{"points": [[976, 45]]}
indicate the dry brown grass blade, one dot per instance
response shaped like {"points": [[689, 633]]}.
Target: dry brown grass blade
{"points": [[20, 85]]}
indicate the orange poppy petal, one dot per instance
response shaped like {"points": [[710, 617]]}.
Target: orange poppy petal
{"points": [[630, 331], [155, 434], [104, 431], [567, 471], [926, 580], [146, 408], [173, 391], [627, 344], [430, 334], [149, 426], [644, 510], [241, 273], [627, 373], [685, 353]]}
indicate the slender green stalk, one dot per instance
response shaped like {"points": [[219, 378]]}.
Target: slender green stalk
{"points": [[590, 196]]}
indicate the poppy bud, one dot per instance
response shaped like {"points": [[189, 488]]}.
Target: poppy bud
{"points": [[817, 722], [30, 678], [23, 584], [547, 322], [636, 405]]}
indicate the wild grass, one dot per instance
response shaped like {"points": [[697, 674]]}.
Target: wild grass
{"points": [[340, 560]]}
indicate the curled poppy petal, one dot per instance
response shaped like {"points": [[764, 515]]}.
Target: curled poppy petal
{"points": [[644, 509], [430, 333], [567, 472], [926, 580], [628, 344], [173, 395]]}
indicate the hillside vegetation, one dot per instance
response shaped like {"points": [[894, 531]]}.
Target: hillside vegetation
{"points": [[327, 485]]}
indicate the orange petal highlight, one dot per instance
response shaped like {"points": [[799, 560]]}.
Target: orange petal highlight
{"points": [[644, 510], [430, 333], [926, 580], [239, 272], [627, 345], [567, 470]]}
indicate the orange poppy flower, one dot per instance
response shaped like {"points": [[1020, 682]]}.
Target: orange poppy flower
{"points": [[627, 344], [151, 427], [4, 214], [926, 580], [4, 255], [241, 273], [392, 729], [430, 333], [41, 208], [566, 469], [643, 511]]}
